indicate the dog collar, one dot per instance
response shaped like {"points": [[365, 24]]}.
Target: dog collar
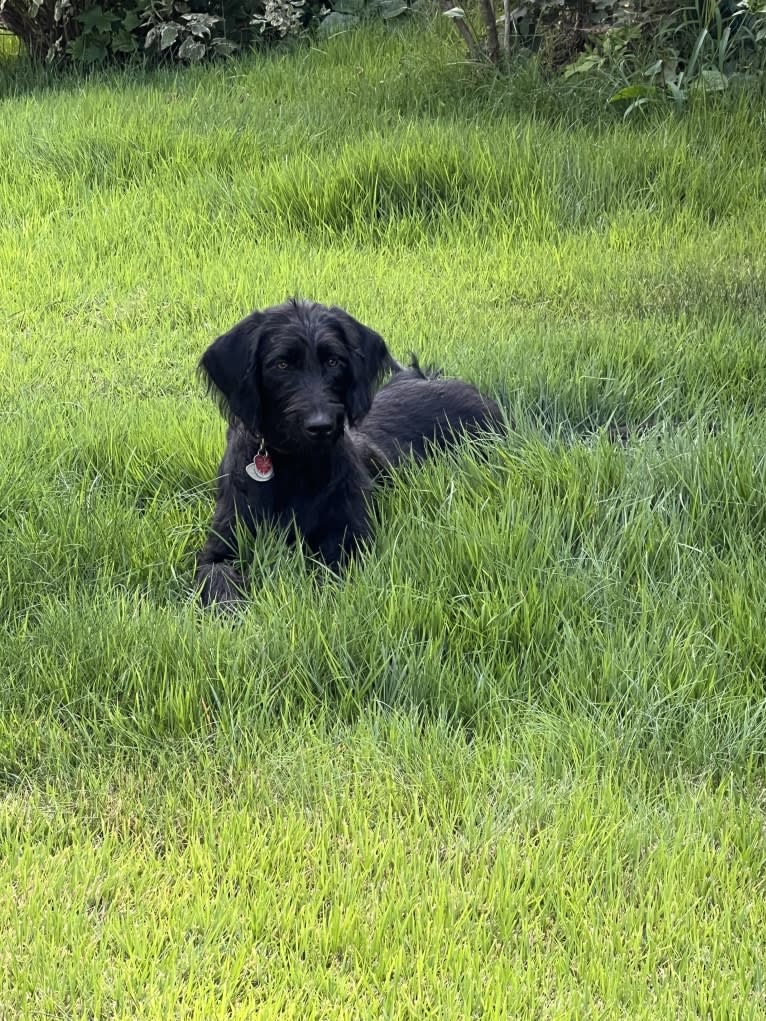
{"points": [[261, 468]]}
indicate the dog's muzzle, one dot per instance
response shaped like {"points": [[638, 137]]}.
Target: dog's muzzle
{"points": [[323, 426]]}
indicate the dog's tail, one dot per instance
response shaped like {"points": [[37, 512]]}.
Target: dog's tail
{"points": [[415, 371]]}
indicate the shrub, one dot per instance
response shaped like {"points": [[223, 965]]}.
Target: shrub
{"points": [[85, 33], [188, 31], [704, 45]]}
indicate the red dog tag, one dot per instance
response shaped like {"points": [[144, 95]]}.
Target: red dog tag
{"points": [[260, 468]]}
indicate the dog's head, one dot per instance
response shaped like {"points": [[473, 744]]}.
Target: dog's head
{"points": [[295, 372]]}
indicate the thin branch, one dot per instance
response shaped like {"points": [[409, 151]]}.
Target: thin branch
{"points": [[463, 27]]}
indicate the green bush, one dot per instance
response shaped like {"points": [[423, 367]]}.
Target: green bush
{"points": [[188, 31], [655, 48]]}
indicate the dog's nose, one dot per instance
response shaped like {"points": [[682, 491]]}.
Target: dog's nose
{"points": [[320, 426]]}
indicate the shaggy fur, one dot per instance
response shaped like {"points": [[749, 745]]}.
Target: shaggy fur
{"points": [[299, 380]]}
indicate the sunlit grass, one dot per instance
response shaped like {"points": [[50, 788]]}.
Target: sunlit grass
{"points": [[382, 871], [511, 765]]}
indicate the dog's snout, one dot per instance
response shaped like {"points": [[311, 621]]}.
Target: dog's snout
{"points": [[320, 425]]}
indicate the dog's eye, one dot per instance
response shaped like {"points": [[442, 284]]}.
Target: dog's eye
{"points": [[331, 362], [282, 364]]}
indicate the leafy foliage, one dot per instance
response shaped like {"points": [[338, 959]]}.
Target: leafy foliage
{"points": [[174, 29], [187, 31], [345, 14], [87, 34], [280, 18], [703, 46]]}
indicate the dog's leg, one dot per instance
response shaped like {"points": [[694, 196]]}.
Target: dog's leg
{"points": [[219, 584], [345, 527], [218, 581], [335, 549]]}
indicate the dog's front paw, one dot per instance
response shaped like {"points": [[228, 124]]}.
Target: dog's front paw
{"points": [[221, 585]]}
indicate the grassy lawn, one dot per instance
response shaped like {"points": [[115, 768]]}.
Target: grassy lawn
{"points": [[512, 766]]}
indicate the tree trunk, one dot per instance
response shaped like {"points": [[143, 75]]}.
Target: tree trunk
{"points": [[489, 18], [29, 35], [507, 30]]}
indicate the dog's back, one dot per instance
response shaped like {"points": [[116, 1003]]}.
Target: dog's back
{"points": [[414, 411]]}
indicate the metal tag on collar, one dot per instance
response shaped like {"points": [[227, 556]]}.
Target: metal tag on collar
{"points": [[261, 468]]}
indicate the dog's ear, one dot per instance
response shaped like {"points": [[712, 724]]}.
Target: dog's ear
{"points": [[229, 369], [370, 360]]}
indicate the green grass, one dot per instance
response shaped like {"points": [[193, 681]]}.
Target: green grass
{"points": [[387, 872], [512, 766], [9, 45]]}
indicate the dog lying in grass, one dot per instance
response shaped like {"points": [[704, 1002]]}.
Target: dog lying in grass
{"points": [[309, 430]]}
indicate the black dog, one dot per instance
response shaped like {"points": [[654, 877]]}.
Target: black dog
{"points": [[308, 434]]}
